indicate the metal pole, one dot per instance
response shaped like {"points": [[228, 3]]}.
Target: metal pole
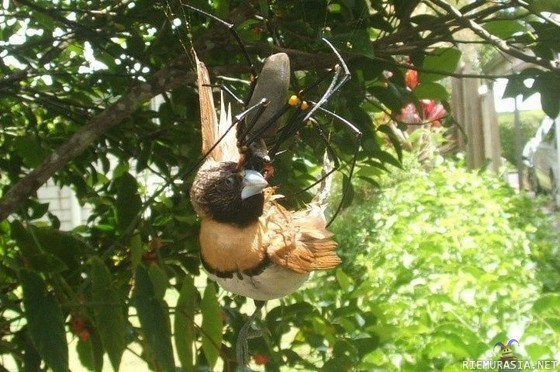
{"points": [[518, 143], [557, 145]]}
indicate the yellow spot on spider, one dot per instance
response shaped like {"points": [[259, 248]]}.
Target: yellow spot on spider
{"points": [[294, 100], [304, 105]]}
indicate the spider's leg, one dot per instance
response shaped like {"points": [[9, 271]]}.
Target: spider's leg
{"points": [[231, 28], [230, 93], [358, 134], [336, 83]]}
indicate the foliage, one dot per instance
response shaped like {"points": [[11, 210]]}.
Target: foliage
{"points": [[77, 78], [443, 266], [530, 121]]}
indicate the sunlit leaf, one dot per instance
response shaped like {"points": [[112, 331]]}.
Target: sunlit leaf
{"points": [[109, 312], [159, 280], [547, 304], [504, 28], [90, 352], [211, 325], [153, 320], [442, 60], [45, 321], [184, 328], [431, 91]]}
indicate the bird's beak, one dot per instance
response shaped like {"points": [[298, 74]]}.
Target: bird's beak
{"points": [[253, 183]]}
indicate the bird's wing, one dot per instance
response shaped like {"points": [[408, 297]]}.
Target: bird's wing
{"points": [[213, 145], [299, 241]]}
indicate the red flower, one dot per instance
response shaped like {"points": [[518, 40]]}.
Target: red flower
{"points": [[433, 112], [411, 78], [84, 335], [81, 328], [261, 359]]}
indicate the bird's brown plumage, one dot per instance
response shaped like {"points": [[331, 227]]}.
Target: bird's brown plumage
{"points": [[297, 241]]}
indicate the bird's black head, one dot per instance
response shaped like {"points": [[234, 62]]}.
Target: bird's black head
{"points": [[225, 194]]}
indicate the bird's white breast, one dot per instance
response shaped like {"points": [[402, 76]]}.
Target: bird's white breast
{"points": [[273, 282]]}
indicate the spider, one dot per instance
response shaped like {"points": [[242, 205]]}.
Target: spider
{"points": [[283, 125]]}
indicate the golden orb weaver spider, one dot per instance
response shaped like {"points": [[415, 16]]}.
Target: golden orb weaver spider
{"points": [[272, 115]]}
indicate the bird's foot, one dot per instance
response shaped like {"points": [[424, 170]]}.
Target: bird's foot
{"points": [[246, 333]]}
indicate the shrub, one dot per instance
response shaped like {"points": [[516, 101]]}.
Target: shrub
{"points": [[530, 121], [437, 268]]}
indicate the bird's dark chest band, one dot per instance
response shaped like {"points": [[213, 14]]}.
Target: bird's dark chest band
{"points": [[229, 274]]}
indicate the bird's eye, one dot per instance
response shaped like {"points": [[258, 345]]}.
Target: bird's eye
{"points": [[230, 181]]}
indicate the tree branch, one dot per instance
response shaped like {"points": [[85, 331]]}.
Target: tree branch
{"points": [[495, 41], [174, 75]]}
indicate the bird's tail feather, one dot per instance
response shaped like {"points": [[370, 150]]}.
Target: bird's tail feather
{"points": [[325, 185], [218, 138]]}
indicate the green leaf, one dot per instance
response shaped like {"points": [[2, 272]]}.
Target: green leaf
{"points": [[211, 325], [431, 91], [504, 28], [109, 312], [537, 351], [550, 103], [444, 60], [552, 6], [390, 96], [90, 352], [159, 280], [30, 247], [339, 363], [45, 321], [514, 88], [348, 191], [367, 344], [128, 201], [29, 148], [66, 246], [37, 210], [548, 85], [136, 249], [31, 360], [548, 303], [361, 43], [184, 330], [154, 320], [344, 281], [357, 42]]}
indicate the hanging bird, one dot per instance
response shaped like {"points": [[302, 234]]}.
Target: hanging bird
{"points": [[249, 243]]}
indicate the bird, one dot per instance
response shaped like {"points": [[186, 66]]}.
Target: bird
{"points": [[250, 244]]}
